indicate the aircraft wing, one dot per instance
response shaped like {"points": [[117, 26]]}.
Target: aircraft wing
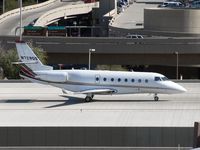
{"points": [[98, 91]]}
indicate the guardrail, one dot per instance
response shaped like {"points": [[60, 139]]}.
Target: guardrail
{"points": [[14, 12], [65, 11]]}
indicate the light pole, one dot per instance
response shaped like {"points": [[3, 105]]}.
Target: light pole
{"points": [[176, 64], [90, 51], [3, 6], [20, 3]]}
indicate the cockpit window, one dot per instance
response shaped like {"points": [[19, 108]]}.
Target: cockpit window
{"points": [[161, 78], [157, 79], [165, 78]]}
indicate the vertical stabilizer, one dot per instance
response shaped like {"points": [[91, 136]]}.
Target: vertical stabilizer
{"points": [[29, 59]]}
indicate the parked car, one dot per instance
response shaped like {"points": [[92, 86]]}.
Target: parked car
{"points": [[134, 36], [171, 4], [195, 4]]}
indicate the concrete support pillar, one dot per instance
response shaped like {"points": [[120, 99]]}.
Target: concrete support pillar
{"points": [[196, 141]]}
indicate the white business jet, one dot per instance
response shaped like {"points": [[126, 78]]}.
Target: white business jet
{"points": [[93, 82]]}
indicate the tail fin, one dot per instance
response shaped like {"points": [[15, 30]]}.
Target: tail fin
{"points": [[29, 59]]}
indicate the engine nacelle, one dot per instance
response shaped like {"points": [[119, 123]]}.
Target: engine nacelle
{"points": [[53, 76]]}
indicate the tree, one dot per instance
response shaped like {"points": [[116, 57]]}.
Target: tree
{"points": [[10, 5], [8, 56], [6, 59]]}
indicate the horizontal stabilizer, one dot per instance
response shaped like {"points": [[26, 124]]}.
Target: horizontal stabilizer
{"points": [[29, 62]]}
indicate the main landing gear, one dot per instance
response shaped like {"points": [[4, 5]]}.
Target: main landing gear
{"points": [[156, 98], [89, 98]]}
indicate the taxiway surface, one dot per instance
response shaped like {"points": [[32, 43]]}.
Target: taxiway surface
{"points": [[31, 104]]}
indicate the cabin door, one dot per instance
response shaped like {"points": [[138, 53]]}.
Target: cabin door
{"points": [[97, 78]]}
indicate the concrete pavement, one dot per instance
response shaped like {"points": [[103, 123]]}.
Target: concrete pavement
{"points": [[30, 104]]}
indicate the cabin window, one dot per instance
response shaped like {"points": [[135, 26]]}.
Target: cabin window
{"points": [[132, 80], [157, 79], [125, 80], [97, 78], [104, 79], [119, 79], [112, 79], [146, 81], [139, 80]]}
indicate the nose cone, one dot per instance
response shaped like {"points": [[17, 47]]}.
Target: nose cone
{"points": [[174, 88], [180, 89], [177, 88]]}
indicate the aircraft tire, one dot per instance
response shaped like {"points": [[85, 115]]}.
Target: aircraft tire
{"points": [[156, 98], [88, 99]]}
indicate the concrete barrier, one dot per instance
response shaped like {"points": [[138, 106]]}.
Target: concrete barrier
{"points": [[174, 21], [65, 11], [14, 12], [97, 136]]}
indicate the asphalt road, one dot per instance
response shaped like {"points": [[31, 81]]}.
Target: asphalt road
{"points": [[8, 27]]}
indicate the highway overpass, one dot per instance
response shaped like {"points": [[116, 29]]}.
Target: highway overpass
{"points": [[51, 11], [64, 12], [147, 51], [9, 21], [152, 51]]}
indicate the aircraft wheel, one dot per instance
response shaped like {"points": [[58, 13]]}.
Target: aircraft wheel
{"points": [[88, 99], [156, 98]]}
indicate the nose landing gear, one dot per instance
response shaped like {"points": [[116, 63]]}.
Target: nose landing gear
{"points": [[156, 98]]}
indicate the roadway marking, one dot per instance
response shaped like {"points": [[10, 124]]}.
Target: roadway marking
{"points": [[48, 43], [77, 43]]}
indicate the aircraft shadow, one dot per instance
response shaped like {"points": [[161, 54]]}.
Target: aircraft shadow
{"points": [[70, 101], [28, 101], [74, 101], [17, 101]]}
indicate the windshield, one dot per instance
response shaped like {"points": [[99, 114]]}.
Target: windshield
{"points": [[157, 79], [164, 78], [161, 78]]}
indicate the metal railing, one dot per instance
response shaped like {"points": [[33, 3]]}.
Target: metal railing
{"points": [[64, 12]]}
